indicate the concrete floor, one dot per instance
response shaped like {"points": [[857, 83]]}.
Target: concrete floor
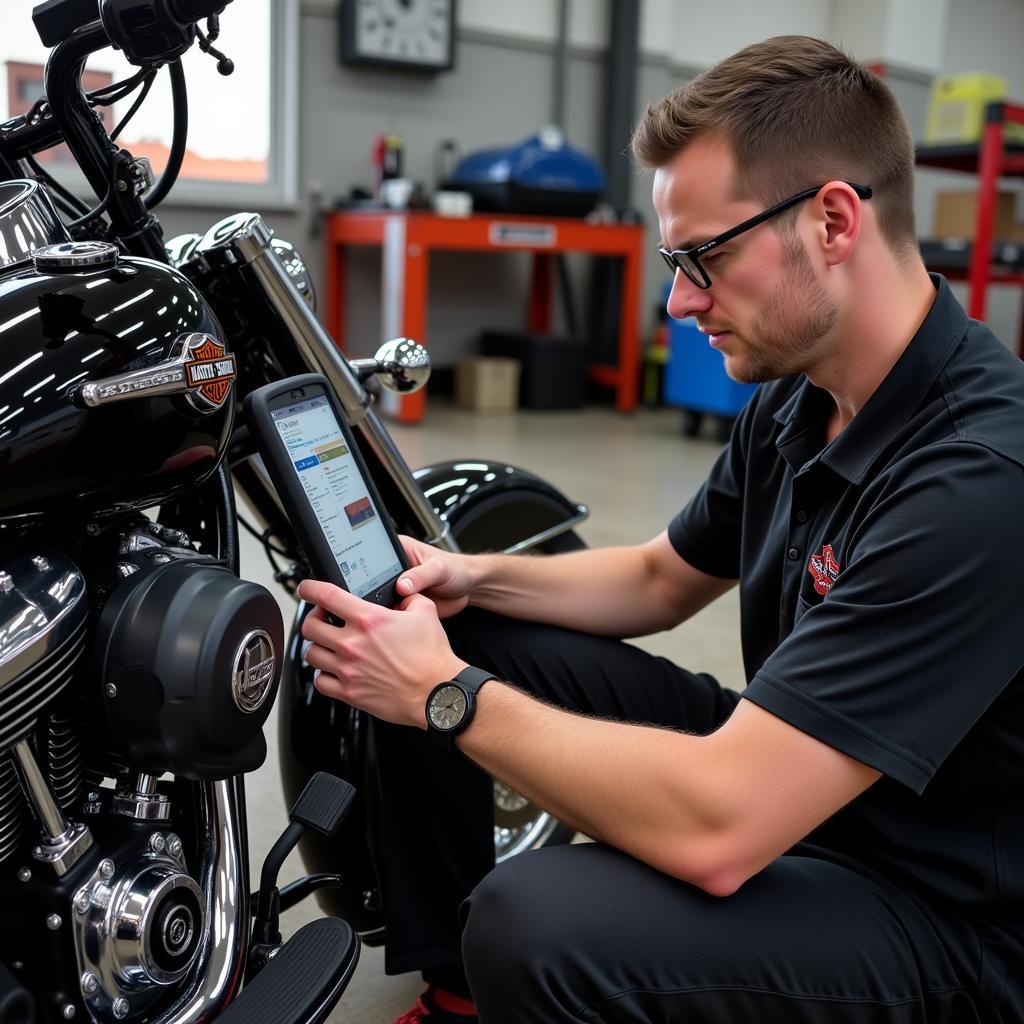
{"points": [[634, 472]]}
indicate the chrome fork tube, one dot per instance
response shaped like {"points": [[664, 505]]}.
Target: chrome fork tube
{"points": [[321, 354], [223, 879], [434, 531]]}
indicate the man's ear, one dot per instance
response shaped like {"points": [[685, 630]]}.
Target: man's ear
{"points": [[840, 214]]}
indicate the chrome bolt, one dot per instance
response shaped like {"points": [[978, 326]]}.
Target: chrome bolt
{"points": [[93, 529], [53, 922], [122, 186], [107, 869], [68, 1011], [89, 983], [83, 901], [24, 875], [41, 564], [174, 846], [110, 690], [157, 842], [6, 582], [17, 965], [92, 797], [120, 1007]]}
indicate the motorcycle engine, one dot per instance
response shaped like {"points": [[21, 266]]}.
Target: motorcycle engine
{"points": [[117, 700]]}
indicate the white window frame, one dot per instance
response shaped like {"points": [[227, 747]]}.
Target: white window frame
{"points": [[281, 190]]}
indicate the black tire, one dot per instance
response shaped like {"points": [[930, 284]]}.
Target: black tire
{"points": [[495, 524]]}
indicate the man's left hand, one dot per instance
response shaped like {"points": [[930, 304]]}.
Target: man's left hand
{"points": [[384, 661]]}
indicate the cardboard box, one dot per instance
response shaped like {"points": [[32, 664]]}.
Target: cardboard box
{"points": [[956, 110], [487, 383], [956, 216]]}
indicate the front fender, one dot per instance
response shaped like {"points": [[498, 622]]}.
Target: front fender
{"points": [[466, 495]]}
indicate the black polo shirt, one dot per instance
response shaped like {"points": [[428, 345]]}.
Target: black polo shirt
{"points": [[882, 601]]}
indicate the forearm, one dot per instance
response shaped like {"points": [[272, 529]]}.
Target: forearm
{"points": [[606, 591], [620, 784]]}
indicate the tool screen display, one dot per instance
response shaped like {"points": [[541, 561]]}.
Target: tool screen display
{"points": [[337, 494]]}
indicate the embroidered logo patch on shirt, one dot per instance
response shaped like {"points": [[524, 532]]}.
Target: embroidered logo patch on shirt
{"points": [[824, 568]]}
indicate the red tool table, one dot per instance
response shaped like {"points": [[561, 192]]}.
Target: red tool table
{"points": [[407, 238]]}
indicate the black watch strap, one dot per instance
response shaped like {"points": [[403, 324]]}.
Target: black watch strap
{"points": [[473, 678]]}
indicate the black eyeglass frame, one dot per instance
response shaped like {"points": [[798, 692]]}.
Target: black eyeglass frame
{"points": [[675, 257]]}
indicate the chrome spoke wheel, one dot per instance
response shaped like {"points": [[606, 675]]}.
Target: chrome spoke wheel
{"points": [[519, 825]]}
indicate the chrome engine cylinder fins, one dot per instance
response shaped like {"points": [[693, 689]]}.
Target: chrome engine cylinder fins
{"points": [[64, 761], [42, 637], [12, 808]]}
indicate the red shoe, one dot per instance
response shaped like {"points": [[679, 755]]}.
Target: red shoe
{"points": [[435, 1006]]}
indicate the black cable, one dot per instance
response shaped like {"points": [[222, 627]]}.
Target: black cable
{"points": [[118, 90], [104, 202], [179, 96], [95, 212], [70, 199], [263, 538], [139, 100]]}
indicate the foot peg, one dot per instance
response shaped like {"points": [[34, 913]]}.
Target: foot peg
{"points": [[321, 806]]}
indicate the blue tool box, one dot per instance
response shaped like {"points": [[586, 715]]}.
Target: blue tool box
{"points": [[695, 377]]}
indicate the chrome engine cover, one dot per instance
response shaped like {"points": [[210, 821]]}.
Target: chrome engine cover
{"points": [[137, 929]]}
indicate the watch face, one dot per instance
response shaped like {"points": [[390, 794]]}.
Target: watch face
{"points": [[447, 707], [417, 33]]}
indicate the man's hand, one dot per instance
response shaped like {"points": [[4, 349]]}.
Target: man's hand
{"points": [[384, 661], [442, 576]]}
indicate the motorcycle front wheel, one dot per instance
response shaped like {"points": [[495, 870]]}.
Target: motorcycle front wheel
{"points": [[493, 524]]}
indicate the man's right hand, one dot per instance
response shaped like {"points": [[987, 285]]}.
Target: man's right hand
{"points": [[442, 576]]}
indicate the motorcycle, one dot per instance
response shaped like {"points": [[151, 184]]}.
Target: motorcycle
{"points": [[136, 668]]}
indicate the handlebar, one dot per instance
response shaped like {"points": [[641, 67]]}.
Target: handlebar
{"points": [[148, 39]]}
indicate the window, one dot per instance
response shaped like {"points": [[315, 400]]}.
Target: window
{"points": [[242, 137]]}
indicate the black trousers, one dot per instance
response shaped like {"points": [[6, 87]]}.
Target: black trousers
{"points": [[586, 933]]}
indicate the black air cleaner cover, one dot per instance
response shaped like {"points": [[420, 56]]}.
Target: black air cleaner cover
{"points": [[192, 656]]}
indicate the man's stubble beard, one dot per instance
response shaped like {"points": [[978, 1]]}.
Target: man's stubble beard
{"points": [[787, 332]]}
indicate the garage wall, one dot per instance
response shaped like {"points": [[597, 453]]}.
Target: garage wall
{"points": [[501, 91]]}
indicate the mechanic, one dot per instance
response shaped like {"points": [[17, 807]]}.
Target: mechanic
{"points": [[841, 842]]}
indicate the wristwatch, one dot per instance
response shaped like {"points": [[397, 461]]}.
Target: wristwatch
{"points": [[452, 704]]}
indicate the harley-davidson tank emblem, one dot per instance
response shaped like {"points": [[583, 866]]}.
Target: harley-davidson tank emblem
{"points": [[202, 372], [209, 369]]}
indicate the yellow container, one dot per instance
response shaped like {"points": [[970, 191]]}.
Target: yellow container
{"points": [[956, 112]]}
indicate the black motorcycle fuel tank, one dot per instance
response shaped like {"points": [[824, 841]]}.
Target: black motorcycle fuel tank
{"points": [[115, 384]]}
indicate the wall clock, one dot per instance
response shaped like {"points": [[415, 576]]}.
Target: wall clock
{"points": [[418, 35]]}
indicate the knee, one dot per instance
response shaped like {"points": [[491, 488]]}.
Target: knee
{"points": [[499, 927], [518, 943]]}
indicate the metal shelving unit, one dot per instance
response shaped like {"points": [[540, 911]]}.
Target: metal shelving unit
{"points": [[993, 158]]}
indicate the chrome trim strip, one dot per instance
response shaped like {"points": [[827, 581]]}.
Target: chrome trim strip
{"points": [[545, 535], [222, 877], [168, 378]]}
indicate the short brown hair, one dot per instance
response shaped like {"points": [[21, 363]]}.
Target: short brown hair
{"points": [[797, 112]]}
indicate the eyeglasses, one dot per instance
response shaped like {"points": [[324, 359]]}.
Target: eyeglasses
{"points": [[688, 260]]}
